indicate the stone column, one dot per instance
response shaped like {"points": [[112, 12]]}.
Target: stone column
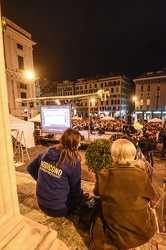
{"points": [[10, 217], [16, 231]]}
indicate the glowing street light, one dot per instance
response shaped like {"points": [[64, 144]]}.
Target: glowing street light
{"points": [[29, 75]]}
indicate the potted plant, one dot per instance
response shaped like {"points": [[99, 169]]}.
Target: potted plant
{"points": [[98, 155]]}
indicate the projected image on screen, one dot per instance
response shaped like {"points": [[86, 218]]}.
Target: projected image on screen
{"points": [[55, 119]]}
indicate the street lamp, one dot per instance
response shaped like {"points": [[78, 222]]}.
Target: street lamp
{"points": [[134, 100], [29, 75]]}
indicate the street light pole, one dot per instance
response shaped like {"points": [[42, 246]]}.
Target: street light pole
{"points": [[89, 120]]}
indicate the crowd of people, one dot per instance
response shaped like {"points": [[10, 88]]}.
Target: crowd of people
{"points": [[147, 138]]}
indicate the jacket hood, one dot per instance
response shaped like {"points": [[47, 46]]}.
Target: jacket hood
{"points": [[52, 153]]}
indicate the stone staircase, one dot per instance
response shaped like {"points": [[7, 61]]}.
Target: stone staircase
{"points": [[61, 230], [37, 237]]}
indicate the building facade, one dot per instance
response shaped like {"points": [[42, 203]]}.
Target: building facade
{"points": [[18, 52], [116, 103], [150, 95]]}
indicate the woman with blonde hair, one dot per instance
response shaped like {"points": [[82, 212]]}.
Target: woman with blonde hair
{"points": [[58, 174], [125, 219]]}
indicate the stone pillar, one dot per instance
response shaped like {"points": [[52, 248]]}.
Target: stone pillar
{"points": [[10, 217], [16, 232]]}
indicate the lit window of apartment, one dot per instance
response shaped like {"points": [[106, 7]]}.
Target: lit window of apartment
{"points": [[148, 102]]}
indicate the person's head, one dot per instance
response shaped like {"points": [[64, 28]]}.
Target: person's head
{"points": [[70, 139], [123, 151], [69, 143]]}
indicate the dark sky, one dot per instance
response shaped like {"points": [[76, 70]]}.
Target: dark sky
{"points": [[77, 39]]}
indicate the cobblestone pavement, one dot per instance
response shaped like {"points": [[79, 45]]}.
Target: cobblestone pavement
{"points": [[69, 230]]}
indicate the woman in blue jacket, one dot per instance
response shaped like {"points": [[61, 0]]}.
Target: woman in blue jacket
{"points": [[58, 174]]}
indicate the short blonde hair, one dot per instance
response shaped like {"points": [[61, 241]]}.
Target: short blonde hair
{"points": [[123, 151]]}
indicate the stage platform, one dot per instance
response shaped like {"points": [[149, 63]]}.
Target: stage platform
{"points": [[87, 138], [108, 135]]}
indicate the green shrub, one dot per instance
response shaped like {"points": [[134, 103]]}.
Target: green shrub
{"points": [[98, 155]]}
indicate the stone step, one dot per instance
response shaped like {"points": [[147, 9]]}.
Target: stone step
{"points": [[35, 236]]}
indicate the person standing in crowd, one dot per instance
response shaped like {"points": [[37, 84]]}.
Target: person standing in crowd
{"points": [[91, 125], [164, 145], [58, 174], [125, 219], [150, 147]]}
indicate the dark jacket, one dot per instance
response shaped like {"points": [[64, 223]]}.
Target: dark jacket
{"points": [[151, 144], [56, 186], [128, 221]]}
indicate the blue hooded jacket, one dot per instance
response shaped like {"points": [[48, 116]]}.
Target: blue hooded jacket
{"points": [[56, 186]]}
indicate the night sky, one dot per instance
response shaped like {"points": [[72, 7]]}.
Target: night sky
{"points": [[83, 38]]}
